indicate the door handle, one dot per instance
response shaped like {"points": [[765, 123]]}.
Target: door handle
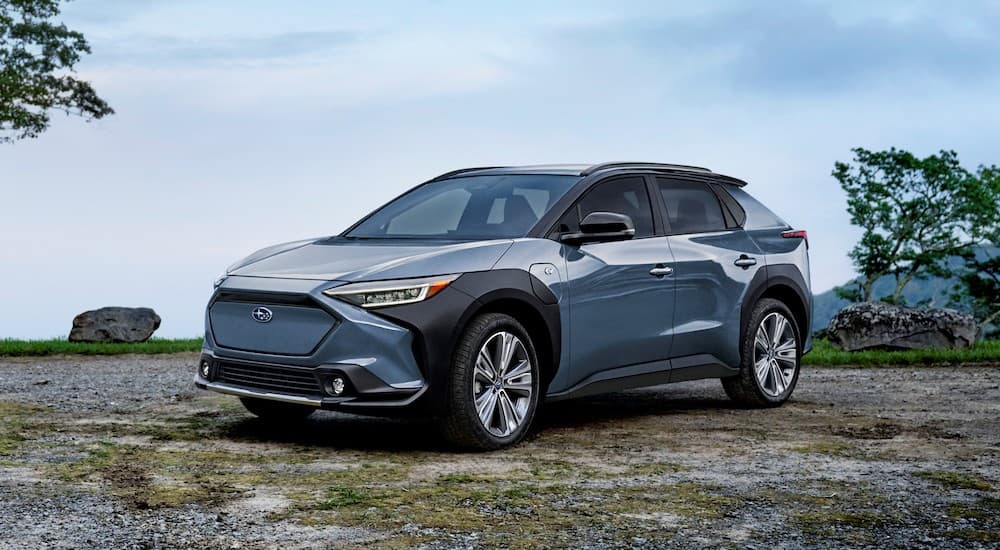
{"points": [[745, 261], [661, 271]]}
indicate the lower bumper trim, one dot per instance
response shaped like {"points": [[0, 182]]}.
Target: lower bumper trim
{"points": [[246, 392], [351, 403]]}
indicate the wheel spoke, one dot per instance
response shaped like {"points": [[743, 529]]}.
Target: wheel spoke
{"points": [[522, 386], [484, 365], [786, 375], [779, 380], [761, 368], [786, 357], [507, 345], [521, 368], [760, 339], [518, 411], [508, 417], [486, 405], [778, 329], [788, 345]]}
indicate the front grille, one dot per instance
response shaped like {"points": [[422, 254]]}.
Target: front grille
{"points": [[269, 378], [250, 297]]}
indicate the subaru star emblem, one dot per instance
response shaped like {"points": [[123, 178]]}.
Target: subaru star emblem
{"points": [[261, 314]]}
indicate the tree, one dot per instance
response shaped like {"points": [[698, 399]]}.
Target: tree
{"points": [[979, 288], [915, 214], [37, 58]]}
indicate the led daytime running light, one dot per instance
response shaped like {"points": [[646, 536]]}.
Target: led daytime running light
{"points": [[391, 293]]}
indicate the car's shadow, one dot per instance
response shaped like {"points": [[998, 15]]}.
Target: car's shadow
{"points": [[352, 432]]}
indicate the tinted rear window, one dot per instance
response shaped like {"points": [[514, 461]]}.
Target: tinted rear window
{"points": [[691, 207]]}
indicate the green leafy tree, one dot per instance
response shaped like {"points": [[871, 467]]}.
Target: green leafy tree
{"points": [[37, 58], [915, 213], [979, 289]]}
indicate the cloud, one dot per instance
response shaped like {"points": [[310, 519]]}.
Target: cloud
{"points": [[807, 48], [173, 51]]}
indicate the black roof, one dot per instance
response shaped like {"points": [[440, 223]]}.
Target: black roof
{"points": [[588, 169]]}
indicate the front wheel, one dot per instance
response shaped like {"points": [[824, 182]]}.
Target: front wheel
{"points": [[494, 386], [771, 356]]}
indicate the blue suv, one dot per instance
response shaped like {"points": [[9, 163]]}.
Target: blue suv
{"points": [[484, 291]]}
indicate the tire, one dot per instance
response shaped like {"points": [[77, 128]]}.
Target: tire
{"points": [[276, 412], [509, 405], [779, 358]]}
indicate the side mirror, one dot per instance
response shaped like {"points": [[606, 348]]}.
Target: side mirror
{"points": [[601, 227]]}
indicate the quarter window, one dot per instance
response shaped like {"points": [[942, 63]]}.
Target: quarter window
{"points": [[691, 207]]}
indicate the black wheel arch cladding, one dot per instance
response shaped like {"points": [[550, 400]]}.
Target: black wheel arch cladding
{"points": [[438, 323], [783, 282]]}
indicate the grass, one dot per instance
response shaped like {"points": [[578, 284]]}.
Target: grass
{"points": [[956, 480], [39, 348], [824, 354], [825, 447], [14, 418]]}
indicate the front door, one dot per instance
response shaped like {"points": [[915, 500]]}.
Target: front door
{"points": [[621, 295]]}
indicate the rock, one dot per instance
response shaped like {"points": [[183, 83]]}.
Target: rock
{"points": [[115, 324], [880, 325]]}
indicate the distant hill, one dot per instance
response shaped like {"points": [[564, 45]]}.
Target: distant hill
{"points": [[933, 292]]}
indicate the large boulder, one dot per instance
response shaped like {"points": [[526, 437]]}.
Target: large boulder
{"points": [[880, 325], [115, 324]]}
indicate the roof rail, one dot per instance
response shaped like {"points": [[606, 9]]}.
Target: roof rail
{"points": [[652, 165], [447, 175]]}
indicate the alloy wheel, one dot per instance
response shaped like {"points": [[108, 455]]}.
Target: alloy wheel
{"points": [[775, 354], [502, 384]]}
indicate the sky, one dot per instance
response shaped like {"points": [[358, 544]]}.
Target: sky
{"points": [[244, 124]]}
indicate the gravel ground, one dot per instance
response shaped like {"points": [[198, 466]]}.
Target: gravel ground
{"points": [[123, 452]]}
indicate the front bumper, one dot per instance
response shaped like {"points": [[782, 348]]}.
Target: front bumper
{"points": [[373, 355], [309, 386]]}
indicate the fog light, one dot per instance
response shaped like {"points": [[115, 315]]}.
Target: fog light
{"points": [[206, 369], [336, 386]]}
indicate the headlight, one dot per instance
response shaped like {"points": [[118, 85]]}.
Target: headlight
{"points": [[391, 293], [218, 282]]}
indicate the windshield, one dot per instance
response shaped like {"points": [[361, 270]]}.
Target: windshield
{"points": [[472, 207]]}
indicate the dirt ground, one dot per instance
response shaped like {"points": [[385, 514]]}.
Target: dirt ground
{"points": [[124, 452]]}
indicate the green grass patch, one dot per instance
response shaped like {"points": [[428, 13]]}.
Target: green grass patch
{"points": [[824, 354], [956, 480], [339, 497], [15, 419], [40, 348], [827, 447]]}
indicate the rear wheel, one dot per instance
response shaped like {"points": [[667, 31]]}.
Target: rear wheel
{"points": [[276, 411], [493, 392], [771, 352]]}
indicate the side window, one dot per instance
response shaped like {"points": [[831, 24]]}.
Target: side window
{"points": [[623, 196], [691, 207]]}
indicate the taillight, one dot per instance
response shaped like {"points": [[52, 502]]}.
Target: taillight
{"points": [[797, 234]]}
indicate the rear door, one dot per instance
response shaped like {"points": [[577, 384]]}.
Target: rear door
{"points": [[714, 263], [620, 312]]}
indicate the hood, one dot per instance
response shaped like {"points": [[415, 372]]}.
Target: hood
{"points": [[345, 260]]}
